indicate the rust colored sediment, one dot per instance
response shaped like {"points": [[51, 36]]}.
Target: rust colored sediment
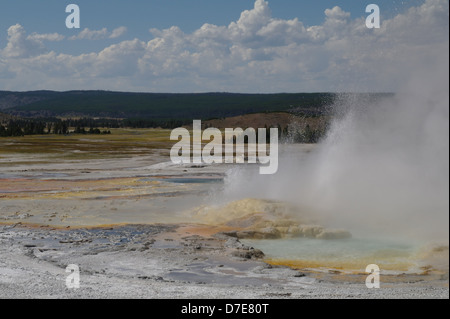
{"points": [[346, 266]]}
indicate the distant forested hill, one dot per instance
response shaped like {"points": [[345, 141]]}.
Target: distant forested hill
{"points": [[157, 105], [4, 118]]}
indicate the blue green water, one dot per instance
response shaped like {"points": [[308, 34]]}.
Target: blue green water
{"points": [[353, 251]]}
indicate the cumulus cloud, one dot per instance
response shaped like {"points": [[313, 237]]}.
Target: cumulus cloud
{"points": [[19, 45], [119, 59], [45, 37], [255, 53], [118, 32], [87, 34]]}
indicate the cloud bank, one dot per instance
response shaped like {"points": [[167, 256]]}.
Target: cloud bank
{"points": [[255, 53]]}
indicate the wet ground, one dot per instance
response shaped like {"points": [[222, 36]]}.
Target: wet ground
{"points": [[138, 226], [167, 261]]}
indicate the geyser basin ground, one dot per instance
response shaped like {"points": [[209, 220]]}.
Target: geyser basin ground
{"points": [[55, 203]]}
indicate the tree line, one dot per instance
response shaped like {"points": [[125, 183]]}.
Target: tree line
{"points": [[21, 127], [34, 127]]}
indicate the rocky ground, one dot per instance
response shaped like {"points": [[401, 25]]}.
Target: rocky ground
{"points": [[171, 261]]}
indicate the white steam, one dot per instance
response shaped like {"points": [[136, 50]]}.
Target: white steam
{"points": [[382, 170]]}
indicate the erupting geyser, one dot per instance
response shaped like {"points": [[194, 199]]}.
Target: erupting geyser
{"points": [[381, 172]]}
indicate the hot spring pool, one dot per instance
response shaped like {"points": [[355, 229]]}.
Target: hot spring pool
{"points": [[352, 254]]}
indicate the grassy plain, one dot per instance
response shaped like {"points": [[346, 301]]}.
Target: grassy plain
{"points": [[120, 143]]}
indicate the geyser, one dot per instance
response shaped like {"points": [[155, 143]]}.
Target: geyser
{"points": [[382, 170]]}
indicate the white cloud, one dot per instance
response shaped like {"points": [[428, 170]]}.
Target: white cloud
{"points": [[118, 32], [119, 59], [256, 53], [252, 20], [22, 46], [336, 14], [19, 45], [87, 34], [46, 37]]}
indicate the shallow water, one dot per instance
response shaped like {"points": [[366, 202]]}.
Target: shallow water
{"points": [[352, 254], [187, 180]]}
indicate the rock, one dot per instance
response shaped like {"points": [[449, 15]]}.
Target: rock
{"points": [[283, 230], [246, 221], [248, 254], [233, 243], [246, 234], [265, 233], [284, 223], [227, 234], [270, 233]]}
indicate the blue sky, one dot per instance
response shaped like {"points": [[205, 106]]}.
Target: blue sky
{"points": [[48, 16], [274, 34]]}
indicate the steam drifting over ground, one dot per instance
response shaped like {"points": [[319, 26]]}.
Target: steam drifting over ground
{"points": [[383, 168]]}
